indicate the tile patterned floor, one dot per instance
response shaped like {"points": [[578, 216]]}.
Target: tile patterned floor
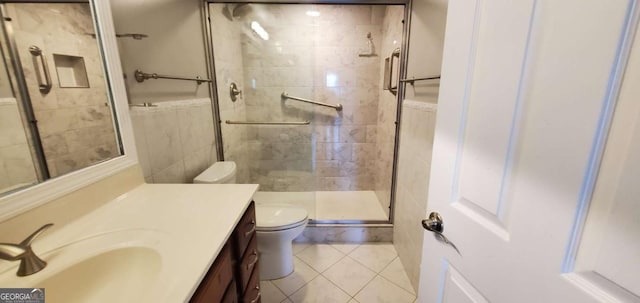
{"points": [[342, 273]]}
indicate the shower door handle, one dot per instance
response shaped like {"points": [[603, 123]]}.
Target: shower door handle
{"points": [[388, 71], [46, 86]]}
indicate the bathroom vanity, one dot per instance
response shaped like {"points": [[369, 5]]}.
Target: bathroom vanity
{"points": [[153, 243], [234, 276]]}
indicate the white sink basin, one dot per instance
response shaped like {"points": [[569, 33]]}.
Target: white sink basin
{"points": [[117, 275], [121, 266]]}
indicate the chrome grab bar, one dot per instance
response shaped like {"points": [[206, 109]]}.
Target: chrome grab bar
{"points": [[307, 122], [46, 86], [388, 71], [285, 96], [141, 76], [412, 80]]}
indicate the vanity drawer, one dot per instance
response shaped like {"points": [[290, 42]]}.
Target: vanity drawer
{"points": [[244, 231], [230, 296], [252, 294], [248, 264], [215, 283]]}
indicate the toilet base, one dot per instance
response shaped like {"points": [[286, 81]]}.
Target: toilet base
{"points": [[276, 264], [276, 252]]}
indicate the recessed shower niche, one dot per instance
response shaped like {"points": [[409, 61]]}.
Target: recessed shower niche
{"points": [[71, 71]]}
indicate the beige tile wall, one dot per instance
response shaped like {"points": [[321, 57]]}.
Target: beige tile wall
{"points": [[314, 58], [16, 166], [414, 165], [174, 140], [428, 20], [229, 69], [75, 124]]}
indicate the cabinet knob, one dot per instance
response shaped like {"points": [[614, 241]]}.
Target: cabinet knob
{"points": [[253, 228], [257, 298], [255, 260]]}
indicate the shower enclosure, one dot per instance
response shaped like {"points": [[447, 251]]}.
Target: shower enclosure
{"points": [[306, 96]]}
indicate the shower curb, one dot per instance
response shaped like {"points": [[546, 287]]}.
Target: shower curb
{"points": [[346, 233]]}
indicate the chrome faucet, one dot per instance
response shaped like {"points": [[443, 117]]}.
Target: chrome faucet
{"points": [[29, 262]]}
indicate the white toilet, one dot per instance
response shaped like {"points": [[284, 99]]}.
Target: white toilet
{"points": [[276, 225]]}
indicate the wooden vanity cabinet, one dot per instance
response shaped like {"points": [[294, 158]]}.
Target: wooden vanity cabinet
{"points": [[220, 276], [244, 248], [234, 276]]}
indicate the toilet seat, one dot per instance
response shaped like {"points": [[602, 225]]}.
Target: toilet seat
{"points": [[276, 217]]}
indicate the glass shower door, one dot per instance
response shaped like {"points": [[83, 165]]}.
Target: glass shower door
{"points": [[316, 63], [271, 144]]}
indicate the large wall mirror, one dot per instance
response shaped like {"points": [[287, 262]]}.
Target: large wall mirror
{"points": [[56, 114]]}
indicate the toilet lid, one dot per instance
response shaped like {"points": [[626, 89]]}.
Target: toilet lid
{"points": [[279, 217], [216, 173]]}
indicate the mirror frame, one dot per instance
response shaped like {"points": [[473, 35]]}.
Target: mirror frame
{"points": [[24, 200]]}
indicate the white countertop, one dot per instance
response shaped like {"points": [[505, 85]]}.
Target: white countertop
{"points": [[186, 224]]}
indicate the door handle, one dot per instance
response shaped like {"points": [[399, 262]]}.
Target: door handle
{"points": [[388, 71], [435, 224], [46, 86]]}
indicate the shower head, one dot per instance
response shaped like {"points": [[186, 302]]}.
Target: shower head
{"points": [[233, 11], [237, 11]]}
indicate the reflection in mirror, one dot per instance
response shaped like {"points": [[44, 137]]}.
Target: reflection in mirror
{"points": [[56, 116], [16, 165]]}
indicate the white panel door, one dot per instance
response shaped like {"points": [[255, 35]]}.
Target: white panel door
{"points": [[527, 98]]}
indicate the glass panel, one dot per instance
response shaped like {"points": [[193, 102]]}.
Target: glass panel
{"points": [[75, 126], [16, 164], [330, 54]]}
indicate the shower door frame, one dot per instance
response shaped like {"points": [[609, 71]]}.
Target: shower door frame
{"points": [[402, 73], [18, 84]]}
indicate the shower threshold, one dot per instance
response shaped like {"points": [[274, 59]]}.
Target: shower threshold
{"points": [[332, 207], [337, 216]]}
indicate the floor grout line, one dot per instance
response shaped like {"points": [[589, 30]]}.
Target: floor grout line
{"points": [[343, 255], [365, 285], [338, 286], [281, 291], [369, 268], [394, 283], [303, 285], [332, 264], [402, 288]]}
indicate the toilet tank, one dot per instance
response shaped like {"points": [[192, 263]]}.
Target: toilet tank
{"points": [[218, 173]]}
